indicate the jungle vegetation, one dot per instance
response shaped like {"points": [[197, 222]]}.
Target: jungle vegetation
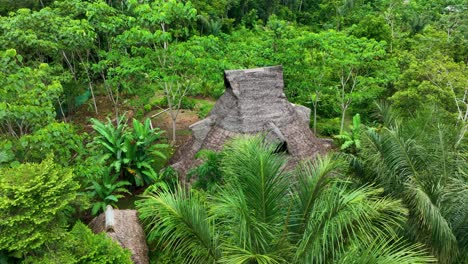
{"points": [[82, 80]]}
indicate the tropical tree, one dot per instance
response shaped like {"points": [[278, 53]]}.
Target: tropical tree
{"points": [[435, 80], [55, 37], [262, 215], [419, 162], [346, 70], [27, 95]]}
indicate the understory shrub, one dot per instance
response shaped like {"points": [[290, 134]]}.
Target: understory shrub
{"points": [[34, 198], [81, 246]]}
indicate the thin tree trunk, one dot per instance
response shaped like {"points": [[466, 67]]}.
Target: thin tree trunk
{"points": [[168, 92], [110, 94], [174, 127], [11, 130], [461, 135], [346, 103], [343, 114], [116, 106], [315, 120], [69, 65], [90, 85], [315, 104], [92, 95], [61, 110]]}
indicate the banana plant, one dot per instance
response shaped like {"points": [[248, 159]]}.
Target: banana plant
{"points": [[105, 190], [131, 153], [112, 139], [141, 152], [351, 141]]}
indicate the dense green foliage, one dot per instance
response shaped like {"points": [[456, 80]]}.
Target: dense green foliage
{"points": [[351, 51], [106, 190], [351, 141], [262, 216], [27, 95], [130, 154], [208, 174], [80, 245], [67, 65], [33, 201], [420, 163]]}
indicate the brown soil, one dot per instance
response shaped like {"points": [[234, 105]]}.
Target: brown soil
{"points": [[184, 120], [106, 109]]}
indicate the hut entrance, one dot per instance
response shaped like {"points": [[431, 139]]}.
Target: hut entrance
{"points": [[282, 148]]}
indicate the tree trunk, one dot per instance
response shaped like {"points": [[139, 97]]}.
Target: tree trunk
{"points": [[61, 110], [90, 85], [315, 104], [343, 114], [315, 119], [174, 130], [92, 95], [170, 104]]}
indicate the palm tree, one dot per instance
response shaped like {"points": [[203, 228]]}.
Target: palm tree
{"points": [[266, 214], [419, 163]]}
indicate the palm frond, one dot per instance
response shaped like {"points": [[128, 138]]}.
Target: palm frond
{"points": [[394, 158], [382, 250], [312, 180], [385, 112], [237, 255], [418, 162], [179, 222], [341, 215], [455, 199], [428, 217], [255, 191]]}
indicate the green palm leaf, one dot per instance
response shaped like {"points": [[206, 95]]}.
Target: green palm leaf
{"points": [[382, 250], [256, 188], [236, 255], [179, 222], [354, 214], [420, 163], [264, 215]]}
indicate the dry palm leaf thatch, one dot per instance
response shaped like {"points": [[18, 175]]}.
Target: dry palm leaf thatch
{"points": [[254, 102], [124, 228]]}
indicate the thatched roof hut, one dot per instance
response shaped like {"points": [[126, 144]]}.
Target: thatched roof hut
{"points": [[124, 227], [254, 102]]}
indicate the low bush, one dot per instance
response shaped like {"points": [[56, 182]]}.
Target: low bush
{"points": [[34, 199], [328, 127], [80, 246]]}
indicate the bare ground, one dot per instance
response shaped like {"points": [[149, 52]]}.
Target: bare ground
{"points": [[184, 120], [163, 121]]}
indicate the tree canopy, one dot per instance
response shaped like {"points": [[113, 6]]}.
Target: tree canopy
{"points": [[87, 88]]}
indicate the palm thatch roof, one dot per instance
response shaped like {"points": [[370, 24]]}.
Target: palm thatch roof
{"points": [[123, 227], [254, 102]]}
